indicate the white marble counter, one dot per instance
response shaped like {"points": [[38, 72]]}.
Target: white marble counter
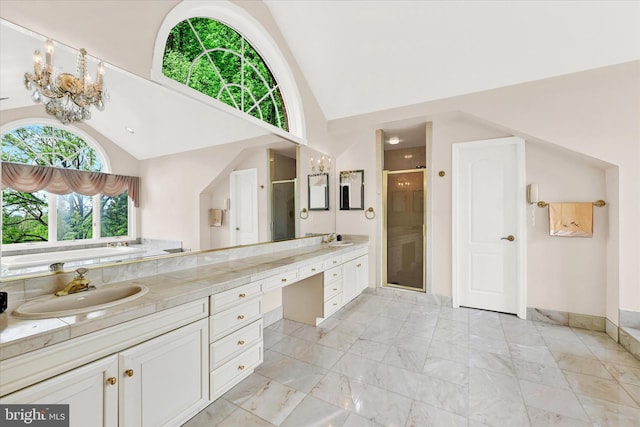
{"points": [[198, 276]]}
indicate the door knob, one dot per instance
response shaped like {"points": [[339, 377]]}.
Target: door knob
{"points": [[237, 228], [510, 238], [129, 372]]}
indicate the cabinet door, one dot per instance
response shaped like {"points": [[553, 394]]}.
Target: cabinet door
{"points": [[362, 273], [92, 399], [349, 281], [165, 380]]}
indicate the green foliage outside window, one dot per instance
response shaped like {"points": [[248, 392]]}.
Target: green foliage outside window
{"points": [[216, 60]]}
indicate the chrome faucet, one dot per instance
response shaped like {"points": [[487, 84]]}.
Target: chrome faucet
{"points": [[78, 284]]}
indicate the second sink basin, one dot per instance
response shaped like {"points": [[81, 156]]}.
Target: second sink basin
{"points": [[340, 244], [81, 302]]}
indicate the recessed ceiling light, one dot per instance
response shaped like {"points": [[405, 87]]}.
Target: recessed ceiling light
{"points": [[394, 140], [130, 130]]}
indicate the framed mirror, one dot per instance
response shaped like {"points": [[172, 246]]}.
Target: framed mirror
{"points": [[352, 190], [319, 192]]}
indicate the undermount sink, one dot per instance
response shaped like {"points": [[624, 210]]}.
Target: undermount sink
{"points": [[81, 302], [340, 244]]}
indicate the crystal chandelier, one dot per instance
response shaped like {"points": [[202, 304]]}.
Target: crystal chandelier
{"points": [[65, 96]]}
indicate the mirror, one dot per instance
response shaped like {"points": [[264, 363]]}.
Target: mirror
{"points": [[319, 192], [352, 190], [17, 45]]}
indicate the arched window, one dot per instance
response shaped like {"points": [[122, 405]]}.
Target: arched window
{"points": [[45, 217], [219, 50], [216, 60]]}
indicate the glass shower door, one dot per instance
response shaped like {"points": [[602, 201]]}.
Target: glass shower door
{"points": [[283, 195], [404, 228]]}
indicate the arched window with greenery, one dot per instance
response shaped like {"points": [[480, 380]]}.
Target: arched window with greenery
{"points": [[216, 60], [45, 217]]}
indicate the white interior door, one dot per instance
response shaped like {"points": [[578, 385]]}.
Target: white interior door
{"points": [[243, 193], [489, 225]]}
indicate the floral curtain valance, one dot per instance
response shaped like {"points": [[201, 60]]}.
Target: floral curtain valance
{"points": [[29, 179]]}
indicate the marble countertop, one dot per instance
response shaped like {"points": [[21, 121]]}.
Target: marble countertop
{"points": [[170, 289]]}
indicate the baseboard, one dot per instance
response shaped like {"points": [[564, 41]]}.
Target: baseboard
{"points": [[564, 318]]}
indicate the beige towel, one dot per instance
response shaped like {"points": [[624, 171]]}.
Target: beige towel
{"points": [[571, 219]]}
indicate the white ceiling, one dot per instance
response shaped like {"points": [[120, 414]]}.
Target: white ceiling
{"points": [[357, 56], [365, 56]]}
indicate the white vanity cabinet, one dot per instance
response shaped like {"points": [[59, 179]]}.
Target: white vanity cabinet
{"points": [[355, 276], [164, 381], [236, 340], [92, 399], [144, 372]]}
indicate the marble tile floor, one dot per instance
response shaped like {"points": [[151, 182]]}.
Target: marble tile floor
{"points": [[389, 359]]}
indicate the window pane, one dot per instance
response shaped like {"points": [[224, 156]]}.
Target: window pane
{"points": [[222, 64], [114, 215], [25, 217], [75, 217]]}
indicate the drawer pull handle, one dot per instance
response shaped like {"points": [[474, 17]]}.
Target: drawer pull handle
{"points": [[112, 380], [335, 289], [335, 262], [313, 269], [240, 367], [335, 274], [284, 279], [242, 295], [335, 303], [129, 372], [240, 316], [359, 265], [241, 342]]}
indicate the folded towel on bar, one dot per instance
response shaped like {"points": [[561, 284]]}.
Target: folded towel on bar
{"points": [[571, 219]]}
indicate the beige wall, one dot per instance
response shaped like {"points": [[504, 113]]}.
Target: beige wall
{"points": [[562, 268], [592, 113], [219, 237]]}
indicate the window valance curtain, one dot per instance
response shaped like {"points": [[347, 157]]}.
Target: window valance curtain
{"points": [[30, 178]]}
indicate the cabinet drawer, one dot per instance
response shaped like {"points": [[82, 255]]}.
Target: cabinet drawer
{"points": [[227, 299], [335, 261], [220, 324], [231, 345], [332, 289], [232, 372], [332, 275], [280, 280], [310, 270], [332, 305]]}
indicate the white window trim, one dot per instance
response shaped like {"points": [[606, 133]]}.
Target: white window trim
{"points": [[52, 229], [241, 21]]}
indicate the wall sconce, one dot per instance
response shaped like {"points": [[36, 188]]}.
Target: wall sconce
{"points": [[323, 165]]}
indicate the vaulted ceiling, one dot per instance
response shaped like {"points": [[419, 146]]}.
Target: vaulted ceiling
{"points": [[356, 56]]}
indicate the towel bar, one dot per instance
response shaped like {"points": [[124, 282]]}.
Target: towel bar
{"points": [[598, 203]]}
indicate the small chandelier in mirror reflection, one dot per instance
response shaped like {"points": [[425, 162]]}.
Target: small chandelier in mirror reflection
{"points": [[65, 96]]}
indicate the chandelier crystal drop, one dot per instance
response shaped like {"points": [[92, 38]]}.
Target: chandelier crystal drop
{"points": [[66, 96]]}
